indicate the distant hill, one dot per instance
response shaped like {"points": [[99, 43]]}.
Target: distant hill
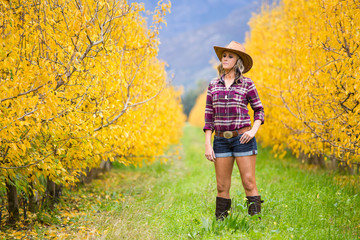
{"points": [[194, 27]]}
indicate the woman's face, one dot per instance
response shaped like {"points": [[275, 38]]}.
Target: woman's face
{"points": [[228, 60]]}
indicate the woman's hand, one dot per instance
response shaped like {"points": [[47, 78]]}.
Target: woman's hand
{"points": [[209, 153], [247, 136]]}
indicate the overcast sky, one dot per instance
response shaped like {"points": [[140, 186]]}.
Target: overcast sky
{"points": [[193, 28]]}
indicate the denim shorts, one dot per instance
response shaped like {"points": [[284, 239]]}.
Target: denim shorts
{"points": [[231, 147]]}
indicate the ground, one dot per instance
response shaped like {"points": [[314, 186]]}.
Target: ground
{"points": [[176, 200]]}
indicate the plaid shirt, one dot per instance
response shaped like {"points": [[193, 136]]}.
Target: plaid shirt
{"points": [[226, 110]]}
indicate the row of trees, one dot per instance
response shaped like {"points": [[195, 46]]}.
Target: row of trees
{"points": [[189, 97], [306, 68], [307, 60], [80, 82]]}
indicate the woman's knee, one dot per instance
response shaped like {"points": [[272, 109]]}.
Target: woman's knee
{"points": [[223, 187], [249, 183]]}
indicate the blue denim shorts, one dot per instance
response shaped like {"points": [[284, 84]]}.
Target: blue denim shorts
{"points": [[231, 147]]}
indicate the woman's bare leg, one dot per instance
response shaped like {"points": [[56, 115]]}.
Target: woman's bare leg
{"points": [[246, 167], [223, 169]]}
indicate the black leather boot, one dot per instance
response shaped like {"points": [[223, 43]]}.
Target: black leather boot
{"points": [[254, 204], [223, 205]]}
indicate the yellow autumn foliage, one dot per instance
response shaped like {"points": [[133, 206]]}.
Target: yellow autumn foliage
{"points": [[197, 113], [80, 82], [306, 66]]}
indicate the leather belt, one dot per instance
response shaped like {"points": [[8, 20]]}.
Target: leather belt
{"points": [[230, 134]]}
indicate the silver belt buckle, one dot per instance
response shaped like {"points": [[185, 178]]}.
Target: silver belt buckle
{"points": [[228, 134]]}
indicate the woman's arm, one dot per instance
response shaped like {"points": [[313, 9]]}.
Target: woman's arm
{"points": [[209, 151], [209, 111], [256, 105], [247, 136]]}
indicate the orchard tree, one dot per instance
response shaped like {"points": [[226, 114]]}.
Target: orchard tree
{"points": [[306, 56], [80, 82]]}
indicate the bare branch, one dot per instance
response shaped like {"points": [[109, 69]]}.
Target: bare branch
{"points": [[20, 118], [126, 106], [36, 162], [116, 118], [22, 94]]}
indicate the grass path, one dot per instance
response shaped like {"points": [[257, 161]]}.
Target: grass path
{"points": [[177, 201]]}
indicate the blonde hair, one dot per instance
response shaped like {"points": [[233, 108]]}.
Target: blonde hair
{"points": [[238, 68]]}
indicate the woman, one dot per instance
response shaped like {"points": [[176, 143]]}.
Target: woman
{"points": [[227, 114]]}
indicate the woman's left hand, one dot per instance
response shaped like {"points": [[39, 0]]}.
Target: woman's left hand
{"points": [[247, 136]]}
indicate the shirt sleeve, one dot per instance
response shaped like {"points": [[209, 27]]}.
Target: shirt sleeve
{"points": [[209, 111], [255, 103]]}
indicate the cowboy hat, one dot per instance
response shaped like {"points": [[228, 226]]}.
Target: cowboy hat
{"points": [[238, 49]]}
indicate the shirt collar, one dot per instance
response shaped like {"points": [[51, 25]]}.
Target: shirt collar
{"points": [[221, 79]]}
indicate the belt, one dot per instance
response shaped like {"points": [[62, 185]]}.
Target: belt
{"points": [[230, 134]]}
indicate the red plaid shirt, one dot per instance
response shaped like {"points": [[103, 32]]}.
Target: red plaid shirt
{"points": [[226, 110]]}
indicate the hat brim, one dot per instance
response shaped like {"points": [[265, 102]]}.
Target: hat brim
{"points": [[247, 60]]}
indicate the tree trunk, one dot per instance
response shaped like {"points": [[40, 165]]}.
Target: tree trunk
{"points": [[58, 192], [350, 169], [34, 200], [105, 166], [13, 203], [50, 197], [316, 159], [335, 164], [94, 172], [1, 209]]}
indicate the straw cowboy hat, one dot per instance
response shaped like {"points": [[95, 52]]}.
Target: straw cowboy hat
{"points": [[238, 49]]}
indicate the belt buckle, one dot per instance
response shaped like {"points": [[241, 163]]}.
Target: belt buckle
{"points": [[228, 134]]}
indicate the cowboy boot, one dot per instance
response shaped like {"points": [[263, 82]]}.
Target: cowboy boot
{"points": [[223, 205], [254, 204]]}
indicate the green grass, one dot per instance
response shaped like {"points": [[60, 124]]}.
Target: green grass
{"points": [[177, 201]]}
